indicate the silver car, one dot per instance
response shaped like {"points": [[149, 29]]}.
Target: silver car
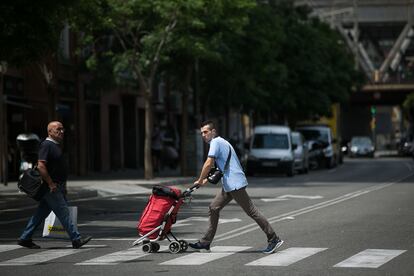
{"points": [[301, 152], [361, 146]]}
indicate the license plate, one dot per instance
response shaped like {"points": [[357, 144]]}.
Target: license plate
{"points": [[269, 164]]}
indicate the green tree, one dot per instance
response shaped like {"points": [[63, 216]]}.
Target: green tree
{"points": [[249, 70], [199, 35], [285, 67], [321, 71], [30, 33], [143, 31]]}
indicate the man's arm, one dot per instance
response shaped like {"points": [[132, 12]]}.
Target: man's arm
{"points": [[41, 166], [205, 170]]}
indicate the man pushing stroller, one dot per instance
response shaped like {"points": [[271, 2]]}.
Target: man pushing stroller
{"points": [[234, 186]]}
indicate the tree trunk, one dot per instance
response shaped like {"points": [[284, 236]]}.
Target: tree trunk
{"points": [[148, 169]]}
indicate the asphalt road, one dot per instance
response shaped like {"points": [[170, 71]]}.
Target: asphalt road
{"points": [[356, 219]]}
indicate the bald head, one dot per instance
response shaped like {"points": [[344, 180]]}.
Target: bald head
{"points": [[56, 131]]}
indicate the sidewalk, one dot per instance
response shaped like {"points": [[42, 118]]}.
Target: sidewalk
{"points": [[102, 184]]}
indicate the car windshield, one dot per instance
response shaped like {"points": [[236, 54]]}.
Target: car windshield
{"points": [[315, 134], [365, 141], [271, 141]]}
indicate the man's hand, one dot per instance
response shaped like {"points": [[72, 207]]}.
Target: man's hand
{"points": [[201, 182], [53, 187]]}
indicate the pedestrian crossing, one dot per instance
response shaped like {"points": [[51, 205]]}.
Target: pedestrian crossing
{"points": [[367, 258], [40, 257], [198, 258], [286, 257]]}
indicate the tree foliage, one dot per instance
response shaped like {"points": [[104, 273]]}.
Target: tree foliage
{"points": [[30, 30], [285, 66]]}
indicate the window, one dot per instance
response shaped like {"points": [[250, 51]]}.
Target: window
{"points": [[271, 141]]}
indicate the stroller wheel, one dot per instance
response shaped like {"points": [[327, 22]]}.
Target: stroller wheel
{"points": [[146, 248], [183, 245], [155, 247], [174, 247]]}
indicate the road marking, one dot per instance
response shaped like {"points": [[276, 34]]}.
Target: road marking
{"points": [[184, 222], [92, 245], [42, 257], [370, 258], [253, 226], [8, 247], [287, 197], [198, 258], [286, 257], [119, 257]]}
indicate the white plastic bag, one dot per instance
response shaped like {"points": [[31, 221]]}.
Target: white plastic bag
{"points": [[54, 229]]}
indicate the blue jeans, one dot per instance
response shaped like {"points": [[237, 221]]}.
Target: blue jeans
{"points": [[57, 203]]}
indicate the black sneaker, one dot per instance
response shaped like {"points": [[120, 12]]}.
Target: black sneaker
{"points": [[201, 246], [273, 245], [28, 243], [79, 243]]}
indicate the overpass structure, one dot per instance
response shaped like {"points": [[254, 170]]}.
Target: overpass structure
{"points": [[380, 35]]}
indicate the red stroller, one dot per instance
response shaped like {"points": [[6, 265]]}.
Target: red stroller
{"points": [[158, 217]]}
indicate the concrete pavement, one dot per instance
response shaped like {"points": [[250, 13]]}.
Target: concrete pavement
{"points": [[103, 184]]}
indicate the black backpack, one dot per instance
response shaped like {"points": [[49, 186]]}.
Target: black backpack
{"points": [[31, 183]]}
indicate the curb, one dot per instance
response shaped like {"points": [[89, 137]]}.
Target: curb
{"points": [[21, 200]]}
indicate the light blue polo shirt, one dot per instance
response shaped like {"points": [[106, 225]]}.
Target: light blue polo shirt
{"points": [[233, 178]]}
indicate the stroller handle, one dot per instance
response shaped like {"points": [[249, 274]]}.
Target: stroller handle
{"points": [[188, 191]]}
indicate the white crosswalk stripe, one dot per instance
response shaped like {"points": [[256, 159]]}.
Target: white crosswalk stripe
{"points": [[198, 258], [8, 247], [370, 258], [42, 257], [119, 257], [286, 257]]}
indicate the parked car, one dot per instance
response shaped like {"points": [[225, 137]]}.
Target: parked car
{"points": [[270, 150], [301, 161], [361, 146], [322, 135]]}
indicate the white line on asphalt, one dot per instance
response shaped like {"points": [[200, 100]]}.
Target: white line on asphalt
{"points": [[41, 257], [287, 256], [253, 226], [287, 197], [119, 257], [198, 258], [370, 258], [92, 245], [8, 247]]}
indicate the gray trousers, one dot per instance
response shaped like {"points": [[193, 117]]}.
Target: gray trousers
{"points": [[242, 198]]}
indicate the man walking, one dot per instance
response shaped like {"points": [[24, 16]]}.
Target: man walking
{"points": [[53, 169], [234, 187]]}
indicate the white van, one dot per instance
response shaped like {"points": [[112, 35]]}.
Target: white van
{"points": [[271, 150]]}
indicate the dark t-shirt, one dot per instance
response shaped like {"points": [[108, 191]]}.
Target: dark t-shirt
{"points": [[55, 161]]}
